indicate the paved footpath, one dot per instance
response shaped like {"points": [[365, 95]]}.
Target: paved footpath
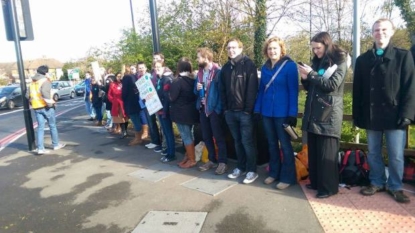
{"points": [[99, 184]]}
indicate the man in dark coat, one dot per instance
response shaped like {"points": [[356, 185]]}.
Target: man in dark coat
{"points": [[238, 90], [384, 104]]}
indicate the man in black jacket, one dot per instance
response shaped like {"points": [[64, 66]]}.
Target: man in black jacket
{"points": [[384, 104], [238, 91]]}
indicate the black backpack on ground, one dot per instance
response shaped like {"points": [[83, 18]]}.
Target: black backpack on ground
{"points": [[353, 168]]}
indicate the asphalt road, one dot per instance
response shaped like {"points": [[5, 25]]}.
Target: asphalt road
{"points": [[12, 122]]}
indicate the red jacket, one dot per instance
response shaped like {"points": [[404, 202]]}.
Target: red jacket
{"points": [[114, 95]]}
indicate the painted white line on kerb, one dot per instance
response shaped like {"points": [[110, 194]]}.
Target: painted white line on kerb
{"points": [[13, 139]]}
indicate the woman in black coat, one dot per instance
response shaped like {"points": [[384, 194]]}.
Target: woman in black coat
{"points": [[97, 94], [323, 114], [130, 97], [182, 108], [108, 104]]}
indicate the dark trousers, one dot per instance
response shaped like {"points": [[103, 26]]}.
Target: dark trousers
{"points": [[212, 127], [98, 112], [323, 163], [153, 128], [242, 130]]}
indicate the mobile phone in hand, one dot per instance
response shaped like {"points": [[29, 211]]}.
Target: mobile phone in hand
{"points": [[300, 63]]}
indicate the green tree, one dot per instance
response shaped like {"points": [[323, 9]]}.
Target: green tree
{"points": [[408, 15], [260, 31]]}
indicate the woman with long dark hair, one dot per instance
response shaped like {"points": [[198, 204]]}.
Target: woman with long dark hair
{"points": [[323, 114], [182, 109]]}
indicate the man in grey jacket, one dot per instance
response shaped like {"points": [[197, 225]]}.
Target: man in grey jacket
{"points": [[40, 98]]}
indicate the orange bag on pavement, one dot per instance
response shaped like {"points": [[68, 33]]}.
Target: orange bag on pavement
{"points": [[303, 155], [301, 170]]}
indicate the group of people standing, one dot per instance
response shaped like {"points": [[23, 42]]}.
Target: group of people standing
{"points": [[383, 104]]}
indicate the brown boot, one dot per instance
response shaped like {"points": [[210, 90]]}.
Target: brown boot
{"points": [[145, 132], [99, 123], [190, 150], [137, 139]]}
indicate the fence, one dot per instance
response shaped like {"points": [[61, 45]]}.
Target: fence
{"points": [[356, 144]]}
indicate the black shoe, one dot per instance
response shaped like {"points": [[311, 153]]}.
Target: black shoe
{"points": [[91, 119], [371, 189], [399, 196], [309, 186], [123, 135], [323, 195]]}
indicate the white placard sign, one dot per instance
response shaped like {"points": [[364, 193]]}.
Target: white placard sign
{"points": [[96, 70], [149, 94]]}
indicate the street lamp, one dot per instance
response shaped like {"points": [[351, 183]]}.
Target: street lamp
{"points": [[132, 14]]}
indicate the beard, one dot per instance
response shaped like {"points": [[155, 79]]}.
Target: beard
{"points": [[202, 64]]}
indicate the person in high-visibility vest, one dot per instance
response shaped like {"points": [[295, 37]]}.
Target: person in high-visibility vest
{"points": [[40, 98]]}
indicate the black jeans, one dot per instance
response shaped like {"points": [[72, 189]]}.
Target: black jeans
{"points": [[212, 127]]}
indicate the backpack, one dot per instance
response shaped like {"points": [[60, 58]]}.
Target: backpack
{"points": [[353, 168]]}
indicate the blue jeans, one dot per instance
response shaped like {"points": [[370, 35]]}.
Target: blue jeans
{"points": [[135, 118], [212, 127], [89, 108], [167, 127], [395, 145], [242, 130], [186, 132], [43, 116], [143, 116], [109, 118], [282, 169], [98, 112]]}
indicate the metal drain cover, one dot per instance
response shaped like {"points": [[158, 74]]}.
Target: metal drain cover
{"points": [[171, 222]]}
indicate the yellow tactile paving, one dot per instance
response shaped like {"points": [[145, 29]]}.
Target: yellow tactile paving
{"points": [[351, 212]]}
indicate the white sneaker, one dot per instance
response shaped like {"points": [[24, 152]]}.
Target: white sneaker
{"points": [[236, 173], [250, 177], [151, 145], [42, 152], [282, 185], [59, 146]]}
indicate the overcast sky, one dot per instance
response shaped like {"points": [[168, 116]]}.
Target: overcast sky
{"points": [[66, 29]]}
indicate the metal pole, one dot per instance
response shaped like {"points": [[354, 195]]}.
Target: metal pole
{"points": [[356, 31], [30, 133], [154, 26], [132, 14], [311, 53]]}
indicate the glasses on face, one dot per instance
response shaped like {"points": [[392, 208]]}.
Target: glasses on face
{"points": [[118, 76]]}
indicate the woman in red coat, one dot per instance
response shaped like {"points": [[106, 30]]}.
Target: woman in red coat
{"points": [[117, 110]]}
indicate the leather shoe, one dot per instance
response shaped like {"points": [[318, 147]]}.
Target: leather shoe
{"points": [[323, 195], [309, 186]]}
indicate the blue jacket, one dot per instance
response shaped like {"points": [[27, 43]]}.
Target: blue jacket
{"points": [[281, 98], [214, 102]]}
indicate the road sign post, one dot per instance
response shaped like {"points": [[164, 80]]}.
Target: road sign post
{"points": [[18, 26]]}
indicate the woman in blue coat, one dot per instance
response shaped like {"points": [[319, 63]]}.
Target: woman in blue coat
{"points": [[277, 102]]}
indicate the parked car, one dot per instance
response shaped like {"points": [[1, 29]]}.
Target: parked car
{"points": [[10, 97], [80, 88], [62, 89]]}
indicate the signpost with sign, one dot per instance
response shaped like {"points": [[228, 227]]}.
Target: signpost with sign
{"points": [[18, 26]]}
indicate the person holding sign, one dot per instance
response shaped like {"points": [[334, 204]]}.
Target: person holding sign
{"points": [[154, 131]]}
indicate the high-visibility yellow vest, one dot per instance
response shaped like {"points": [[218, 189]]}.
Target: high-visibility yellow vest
{"points": [[36, 99]]}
